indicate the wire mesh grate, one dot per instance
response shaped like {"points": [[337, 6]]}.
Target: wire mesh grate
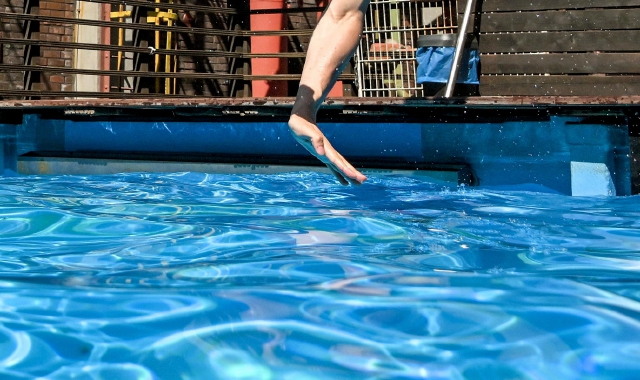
{"points": [[385, 61]]}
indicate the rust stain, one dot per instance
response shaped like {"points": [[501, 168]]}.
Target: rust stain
{"points": [[333, 102]]}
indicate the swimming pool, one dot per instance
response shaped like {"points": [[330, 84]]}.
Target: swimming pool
{"points": [[291, 276]]}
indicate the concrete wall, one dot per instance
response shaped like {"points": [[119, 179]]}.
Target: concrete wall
{"points": [[88, 59], [634, 143], [574, 155], [538, 152]]}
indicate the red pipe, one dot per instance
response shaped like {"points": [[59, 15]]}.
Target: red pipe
{"points": [[268, 44]]}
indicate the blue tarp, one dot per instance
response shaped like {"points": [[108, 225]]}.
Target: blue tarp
{"points": [[434, 65]]}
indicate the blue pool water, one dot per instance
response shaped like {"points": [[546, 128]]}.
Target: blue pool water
{"points": [[194, 276]]}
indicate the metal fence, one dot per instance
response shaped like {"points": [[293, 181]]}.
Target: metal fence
{"points": [[138, 48], [109, 48]]}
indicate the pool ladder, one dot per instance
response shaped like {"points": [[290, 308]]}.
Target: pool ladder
{"points": [[460, 42]]}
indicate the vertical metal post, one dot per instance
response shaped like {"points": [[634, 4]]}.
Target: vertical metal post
{"points": [[167, 57], [457, 58], [105, 39], [156, 66], [120, 43]]}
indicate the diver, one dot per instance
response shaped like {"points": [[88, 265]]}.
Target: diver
{"points": [[332, 44]]}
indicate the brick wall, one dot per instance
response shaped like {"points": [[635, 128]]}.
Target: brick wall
{"points": [[16, 54], [56, 57], [307, 20], [203, 64], [12, 54], [208, 64]]}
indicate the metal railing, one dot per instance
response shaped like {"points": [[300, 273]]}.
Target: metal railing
{"points": [[142, 47]]}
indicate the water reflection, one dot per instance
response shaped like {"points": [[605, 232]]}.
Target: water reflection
{"points": [[275, 277]]}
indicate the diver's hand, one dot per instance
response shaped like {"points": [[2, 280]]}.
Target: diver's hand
{"points": [[312, 138]]}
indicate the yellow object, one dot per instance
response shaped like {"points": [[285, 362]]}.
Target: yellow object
{"points": [[163, 16], [169, 17], [167, 58], [121, 14], [153, 17]]}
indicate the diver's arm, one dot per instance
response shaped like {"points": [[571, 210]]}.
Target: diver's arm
{"points": [[332, 44]]}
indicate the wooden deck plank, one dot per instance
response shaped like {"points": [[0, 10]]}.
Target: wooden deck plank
{"points": [[589, 41], [559, 63], [540, 5], [558, 20], [559, 85]]}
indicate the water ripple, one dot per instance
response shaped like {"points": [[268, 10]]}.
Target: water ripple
{"points": [[202, 276]]}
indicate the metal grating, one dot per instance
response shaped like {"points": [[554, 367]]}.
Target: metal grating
{"points": [[385, 62]]}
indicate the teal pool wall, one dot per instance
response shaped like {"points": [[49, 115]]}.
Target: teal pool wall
{"points": [[502, 148]]}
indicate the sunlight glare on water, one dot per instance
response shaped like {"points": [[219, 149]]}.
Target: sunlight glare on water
{"points": [[195, 276]]}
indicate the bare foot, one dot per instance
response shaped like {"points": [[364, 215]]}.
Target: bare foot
{"points": [[312, 138]]}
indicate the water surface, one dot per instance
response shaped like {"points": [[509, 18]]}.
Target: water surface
{"points": [[195, 276]]}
